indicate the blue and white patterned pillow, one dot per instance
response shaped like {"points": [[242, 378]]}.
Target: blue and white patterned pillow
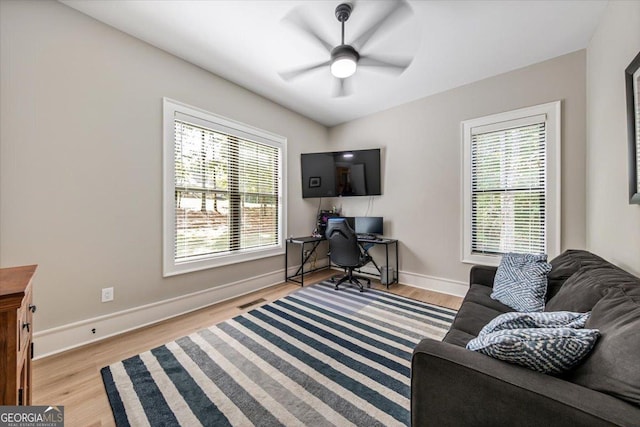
{"points": [[521, 281], [551, 319], [546, 350]]}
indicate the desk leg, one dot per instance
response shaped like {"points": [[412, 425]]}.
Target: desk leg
{"points": [[302, 266], [386, 258], [397, 280], [286, 261]]}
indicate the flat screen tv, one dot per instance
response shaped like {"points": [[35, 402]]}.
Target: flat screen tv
{"points": [[341, 173]]}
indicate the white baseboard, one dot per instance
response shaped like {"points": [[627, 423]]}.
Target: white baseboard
{"points": [[76, 334], [422, 281], [437, 284]]}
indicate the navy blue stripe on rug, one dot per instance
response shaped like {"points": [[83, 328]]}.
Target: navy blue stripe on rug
{"points": [[249, 406], [193, 395], [338, 377], [360, 325], [117, 407], [343, 329], [153, 402], [345, 408]]}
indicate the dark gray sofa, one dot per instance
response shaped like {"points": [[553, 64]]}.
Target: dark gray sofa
{"points": [[453, 386]]}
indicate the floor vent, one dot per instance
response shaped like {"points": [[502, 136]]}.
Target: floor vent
{"points": [[250, 303]]}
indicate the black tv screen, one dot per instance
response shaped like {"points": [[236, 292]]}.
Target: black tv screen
{"points": [[341, 173]]}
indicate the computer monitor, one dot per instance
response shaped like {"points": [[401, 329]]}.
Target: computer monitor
{"points": [[351, 220], [369, 225]]}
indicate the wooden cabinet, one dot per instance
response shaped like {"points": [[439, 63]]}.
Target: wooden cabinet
{"points": [[16, 329]]}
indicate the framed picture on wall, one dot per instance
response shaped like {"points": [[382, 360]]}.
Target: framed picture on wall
{"points": [[632, 77]]}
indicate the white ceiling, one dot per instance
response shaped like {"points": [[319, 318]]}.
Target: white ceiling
{"points": [[453, 43]]}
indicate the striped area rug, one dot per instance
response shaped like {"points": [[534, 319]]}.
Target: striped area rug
{"points": [[317, 357]]}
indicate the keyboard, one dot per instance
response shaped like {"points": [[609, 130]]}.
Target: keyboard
{"points": [[368, 236]]}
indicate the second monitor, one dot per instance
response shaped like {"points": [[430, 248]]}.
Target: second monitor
{"points": [[367, 224]]}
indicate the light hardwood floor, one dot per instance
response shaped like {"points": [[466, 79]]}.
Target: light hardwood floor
{"points": [[73, 378]]}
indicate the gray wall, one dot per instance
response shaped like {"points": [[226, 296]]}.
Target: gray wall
{"points": [[613, 226], [422, 159], [81, 160]]}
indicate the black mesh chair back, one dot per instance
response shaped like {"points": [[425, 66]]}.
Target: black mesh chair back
{"points": [[345, 252], [343, 244]]}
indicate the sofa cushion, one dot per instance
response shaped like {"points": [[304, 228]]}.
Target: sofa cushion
{"points": [[546, 350], [482, 295], [566, 265], [613, 365], [521, 281], [554, 319], [457, 337], [472, 316], [586, 287]]}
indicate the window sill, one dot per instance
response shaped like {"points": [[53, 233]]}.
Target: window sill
{"points": [[173, 269], [476, 259]]}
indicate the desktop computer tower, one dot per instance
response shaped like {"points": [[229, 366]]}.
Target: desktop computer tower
{"points": [[387, 275], [322, 220]]}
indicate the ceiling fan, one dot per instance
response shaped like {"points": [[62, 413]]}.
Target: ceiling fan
{"points": [[345, 59]]}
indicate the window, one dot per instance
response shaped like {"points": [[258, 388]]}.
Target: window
{"points": [[511, 184], [223, 191]]}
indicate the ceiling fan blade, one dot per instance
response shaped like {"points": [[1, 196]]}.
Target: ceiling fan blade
{"points": [[396, 66], [399, 9], [292, 74], [299, 21], [342, 88]]}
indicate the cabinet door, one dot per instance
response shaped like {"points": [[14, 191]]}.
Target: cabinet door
{"points": [[24, 324]]}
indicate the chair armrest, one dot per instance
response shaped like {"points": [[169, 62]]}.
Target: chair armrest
{"points": [[482, 275], [453, 386]]}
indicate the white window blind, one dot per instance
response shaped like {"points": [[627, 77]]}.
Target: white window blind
{"points": [[508, 185], [223, 192], [511, 184]]}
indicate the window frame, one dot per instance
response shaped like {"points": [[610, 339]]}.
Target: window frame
{"points": [[552, 115], [173, 109]]}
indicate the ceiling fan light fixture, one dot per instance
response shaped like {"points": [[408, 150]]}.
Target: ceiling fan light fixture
{"points": [[343, 67], [344, 61]]}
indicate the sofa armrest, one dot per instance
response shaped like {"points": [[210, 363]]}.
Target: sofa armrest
{"points": [[453, 386], [482, 275]]}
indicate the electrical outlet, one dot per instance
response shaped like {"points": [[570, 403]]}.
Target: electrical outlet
{"points": [[107, 294]]}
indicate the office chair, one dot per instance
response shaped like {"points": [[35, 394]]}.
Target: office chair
{"points": [[345, 252]]}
